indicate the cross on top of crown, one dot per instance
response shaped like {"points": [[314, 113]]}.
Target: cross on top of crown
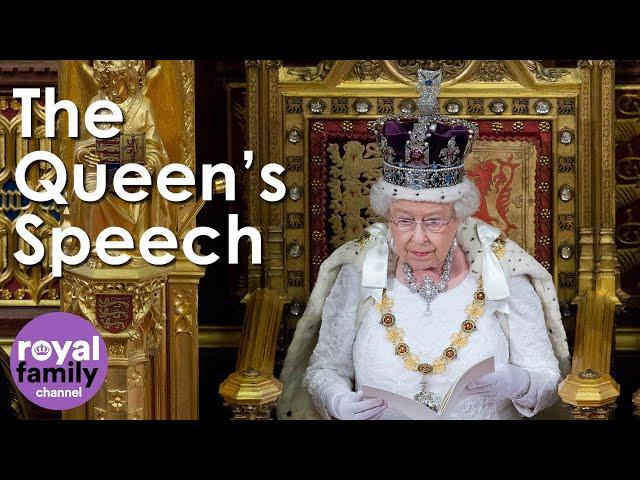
{"points": [[429, 89]]}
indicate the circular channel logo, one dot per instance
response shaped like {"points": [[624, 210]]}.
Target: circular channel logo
{"points": [[59, 361]]}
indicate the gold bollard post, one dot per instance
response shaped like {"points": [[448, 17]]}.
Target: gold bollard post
{"points": [[252, 391], [589, 390]]}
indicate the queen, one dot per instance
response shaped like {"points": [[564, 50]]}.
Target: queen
{"points": [[421, 298]]}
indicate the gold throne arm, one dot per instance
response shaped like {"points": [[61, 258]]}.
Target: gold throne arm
{"points": [[252, 391]]}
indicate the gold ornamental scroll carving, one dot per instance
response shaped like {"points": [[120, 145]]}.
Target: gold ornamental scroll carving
{"points": [[24, 285], [153, 362], [627, 230]]}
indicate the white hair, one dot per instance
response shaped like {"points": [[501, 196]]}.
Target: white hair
{"points": [[465, 197]]}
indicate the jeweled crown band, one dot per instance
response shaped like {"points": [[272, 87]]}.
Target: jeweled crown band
{"points": [[419, 178]]}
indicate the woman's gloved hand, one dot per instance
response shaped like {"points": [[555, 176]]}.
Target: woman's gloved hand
{"points": [[506, 382], [352, 406]]}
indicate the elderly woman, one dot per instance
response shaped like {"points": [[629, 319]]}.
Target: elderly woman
{"points": [[418, 301]]}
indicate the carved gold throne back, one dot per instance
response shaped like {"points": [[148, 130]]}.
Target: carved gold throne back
{"points": [[535, 150], [524, 162]]}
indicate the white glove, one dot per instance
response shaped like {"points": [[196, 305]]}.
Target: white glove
{"points": [[506, 382], [351, 406]]}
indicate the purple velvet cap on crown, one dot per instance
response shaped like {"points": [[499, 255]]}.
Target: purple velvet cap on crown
{"points": [[397, 134]]}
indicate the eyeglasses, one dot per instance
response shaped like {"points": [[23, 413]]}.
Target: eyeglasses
{"points": [[433, 225]]}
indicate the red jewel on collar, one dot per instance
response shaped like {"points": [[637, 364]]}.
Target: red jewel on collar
{"points": [[468, 326], [388, 320], [425, 368]]}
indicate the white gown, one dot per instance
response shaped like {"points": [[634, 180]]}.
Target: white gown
{"points": [[345, 359]]}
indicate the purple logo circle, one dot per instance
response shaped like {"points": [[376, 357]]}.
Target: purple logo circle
{"points": [[59, 361]]}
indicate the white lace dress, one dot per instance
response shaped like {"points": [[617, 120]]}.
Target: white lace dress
{"points": [[345, 359]]}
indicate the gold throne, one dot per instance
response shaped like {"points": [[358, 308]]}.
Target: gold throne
{"points": [[543, 162]]}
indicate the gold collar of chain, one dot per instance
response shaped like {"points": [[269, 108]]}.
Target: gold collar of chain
{"points": [[459, 340]]}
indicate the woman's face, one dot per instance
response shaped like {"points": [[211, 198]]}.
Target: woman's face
{"points": [[419, 247]]}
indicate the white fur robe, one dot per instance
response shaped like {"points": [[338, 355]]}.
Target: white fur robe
{"points": [[295, 402]]}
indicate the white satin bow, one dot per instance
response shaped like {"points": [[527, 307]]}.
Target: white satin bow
{"points": [[493, 278], [376, 261]]}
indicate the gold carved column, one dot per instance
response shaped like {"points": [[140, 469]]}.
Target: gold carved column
{"points": [[258, 143], [126, 305], [182, 281], [586, 203], [147, 315], [264, 132], [589, 389], [182, 339]]}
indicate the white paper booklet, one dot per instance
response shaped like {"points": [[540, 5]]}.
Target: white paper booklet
{"points": [[416, 410]]}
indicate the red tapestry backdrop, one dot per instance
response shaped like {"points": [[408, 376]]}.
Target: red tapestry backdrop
{"points": [[511, 165]]}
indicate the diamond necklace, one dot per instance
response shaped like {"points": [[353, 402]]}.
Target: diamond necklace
{"points": [[428, 291]]}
